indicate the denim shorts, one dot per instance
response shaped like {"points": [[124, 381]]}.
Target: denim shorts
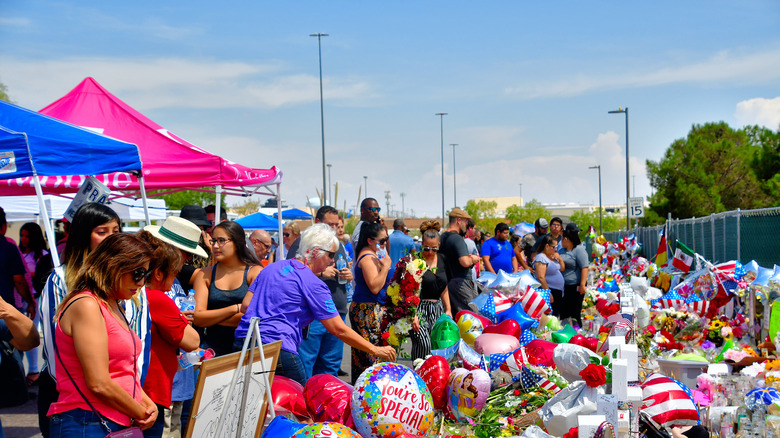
{"points": [[79, 423]]}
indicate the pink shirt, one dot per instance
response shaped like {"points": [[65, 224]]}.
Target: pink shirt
{"points": [[123, 349]]}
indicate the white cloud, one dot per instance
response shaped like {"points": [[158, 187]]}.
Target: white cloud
{"points": [[759, 111], [15, 21], [725, 66]]}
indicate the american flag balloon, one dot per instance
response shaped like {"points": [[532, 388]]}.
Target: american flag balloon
{"points": [[501, 301], [697, 305], [534, 302], [666, 403], [672, 300]]}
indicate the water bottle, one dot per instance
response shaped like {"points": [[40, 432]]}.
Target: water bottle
{"points": [[380, 252], [341, 264], [187, 360], [189, 302]]}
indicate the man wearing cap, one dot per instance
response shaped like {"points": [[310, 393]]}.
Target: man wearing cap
{"points": [[400, 244], [461, 286], [497, 252], [529, 241]]}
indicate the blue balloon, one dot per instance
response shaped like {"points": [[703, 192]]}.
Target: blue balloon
{"points": [[517, 313], [282, 427], [762, 396]]}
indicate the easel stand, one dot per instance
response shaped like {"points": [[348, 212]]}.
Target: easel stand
{"points": [[250, 342]]}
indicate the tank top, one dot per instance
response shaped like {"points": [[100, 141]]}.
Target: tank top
{"points": [[123, 351], [219, 298], [362, 292]]}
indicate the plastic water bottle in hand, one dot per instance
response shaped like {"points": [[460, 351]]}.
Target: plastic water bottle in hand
{"points": [[189, 302], [341, 264], [381, 252]]}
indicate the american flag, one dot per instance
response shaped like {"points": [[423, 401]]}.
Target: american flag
{"points": [[530, 379], [697, 305], [534, 302], [671, 300], [526, 336], [488, 308], [667, 402], [501, 301]]}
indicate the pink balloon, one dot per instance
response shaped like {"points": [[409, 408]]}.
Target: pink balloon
{"points": [[327, 399], [494, 343], [507, 327], [288, 395], [467, 392]]}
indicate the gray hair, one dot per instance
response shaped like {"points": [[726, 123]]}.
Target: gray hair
{"points": [[319, 235]]}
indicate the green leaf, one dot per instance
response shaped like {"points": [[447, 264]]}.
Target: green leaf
{"points": [[595, 360]]}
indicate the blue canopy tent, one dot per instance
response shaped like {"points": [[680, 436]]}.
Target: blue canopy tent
{"points": [[33, 145], [259, 221], [293, 214]]}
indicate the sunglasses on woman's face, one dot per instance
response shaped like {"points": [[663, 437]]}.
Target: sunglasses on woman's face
{"points": [[382, 241], [331, 254], [430, 248], [141, 274]]}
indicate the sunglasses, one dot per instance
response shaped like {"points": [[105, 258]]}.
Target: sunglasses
{"points": [[140, 274], [331, 254], [382, 241], [286, 234], [430, 248], [373, 209], [219, 241]]}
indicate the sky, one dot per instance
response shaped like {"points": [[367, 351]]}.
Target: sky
{"points": [[526, 86]]}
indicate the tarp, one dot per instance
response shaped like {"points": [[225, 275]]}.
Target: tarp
{"points": [[258, 221], [293, 213], [27, 208], [169, 161]]}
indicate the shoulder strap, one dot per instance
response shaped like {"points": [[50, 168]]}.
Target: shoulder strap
{"points": [[361, 258], [214, 273], [68, 307], [246, 274]]}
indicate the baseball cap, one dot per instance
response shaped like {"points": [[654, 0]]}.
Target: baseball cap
{"points": [[541, 223], [457, 212], [572, 227]]}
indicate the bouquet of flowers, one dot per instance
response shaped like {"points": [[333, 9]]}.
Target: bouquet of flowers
{"points": [[403, 297]]}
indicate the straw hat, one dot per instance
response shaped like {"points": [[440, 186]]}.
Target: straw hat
{"points": [[180, 233]]}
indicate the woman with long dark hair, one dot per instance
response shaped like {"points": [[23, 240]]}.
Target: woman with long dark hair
{"points": [[33, 249], [220, 289]]}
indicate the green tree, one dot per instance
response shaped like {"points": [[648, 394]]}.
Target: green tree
{"points": [[248, 207], [177, 200], [532, 211], [4, 93], [707, 172], [766, 162], [484, 214], [585, 219]]}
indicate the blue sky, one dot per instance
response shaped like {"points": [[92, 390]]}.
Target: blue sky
{"points": [[526, 85]]}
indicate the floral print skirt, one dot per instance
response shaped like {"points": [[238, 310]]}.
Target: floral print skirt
{"points": [[365, 319]]}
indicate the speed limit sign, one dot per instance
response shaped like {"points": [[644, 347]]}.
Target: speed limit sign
{"points": [[636, 207]]}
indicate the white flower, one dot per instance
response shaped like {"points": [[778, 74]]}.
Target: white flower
{"points": [[403, 326]]}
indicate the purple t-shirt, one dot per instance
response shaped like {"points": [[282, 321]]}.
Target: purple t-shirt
{"points": [[287, 297]]}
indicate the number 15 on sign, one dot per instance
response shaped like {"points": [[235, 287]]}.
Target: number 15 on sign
{"points": [[636, 207]]}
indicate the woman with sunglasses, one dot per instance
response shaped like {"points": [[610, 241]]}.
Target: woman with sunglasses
{"points": [[220, 289], [290, 234], [91, 224], [434, 297], [288, 295], [549, 266], [371, 276], [98, 380]]}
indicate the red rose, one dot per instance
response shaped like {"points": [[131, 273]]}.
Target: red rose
{"points": [[385, 335], [517, 392], [572, 433], [594, 375]]}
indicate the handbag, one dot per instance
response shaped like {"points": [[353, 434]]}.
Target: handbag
{"points": [[13, 391], [131, 432]]}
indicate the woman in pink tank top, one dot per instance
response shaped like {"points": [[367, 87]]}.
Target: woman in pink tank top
{"points": [[99, 383]]}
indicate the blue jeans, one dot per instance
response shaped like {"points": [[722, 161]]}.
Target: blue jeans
{"points": [[79, 423], [289, 364], [321, 352]]}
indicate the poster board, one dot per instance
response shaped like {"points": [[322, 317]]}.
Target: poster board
{"points": [[212, 391]]}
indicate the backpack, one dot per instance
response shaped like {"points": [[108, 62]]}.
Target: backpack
{"points": [[13, 391]]}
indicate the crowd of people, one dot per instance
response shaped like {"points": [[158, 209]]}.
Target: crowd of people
{"points": [[129, 288]]}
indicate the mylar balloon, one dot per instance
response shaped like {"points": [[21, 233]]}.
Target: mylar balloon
{"points": [[504, 283], [486, 277], [469, 358], [390, 399], [281, 426], [540, 352], [517, 313], [325, 430], [564, 335], [328, 398], [470, 325], [507, 327], [288, 395], [578, 340], [494, 343], [467, 392], [525, 279], [435, 371], [444, 333]]}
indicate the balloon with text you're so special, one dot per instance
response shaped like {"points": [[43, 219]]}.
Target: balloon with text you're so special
{"points": [[389, 400], [326, 430]]}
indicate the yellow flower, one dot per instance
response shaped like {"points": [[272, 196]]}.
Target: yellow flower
{"points": [[393, 339]]}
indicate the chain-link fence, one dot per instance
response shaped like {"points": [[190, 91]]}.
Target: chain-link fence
{"points": [[742, 235]]}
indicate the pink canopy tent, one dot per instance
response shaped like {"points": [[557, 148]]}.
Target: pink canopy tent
{"points": [[169, 162]]}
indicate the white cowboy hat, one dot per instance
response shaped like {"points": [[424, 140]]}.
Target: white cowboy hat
{"points": [[180, 233]]}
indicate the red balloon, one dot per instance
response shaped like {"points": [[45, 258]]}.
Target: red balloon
{"points": [[592, 344], [578, 340], [408, 435], [485, 322], [435, 371], [540, 352], [507, 327], [288, 396], [328, 399]]}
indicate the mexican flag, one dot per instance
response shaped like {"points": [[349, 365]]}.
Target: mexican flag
{"points": [[683, 257]]}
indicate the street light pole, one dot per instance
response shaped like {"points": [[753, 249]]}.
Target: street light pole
{"points": [[330, 187], [628, 213], [441, 116], [403, 209], [365, 185], [322, 108], [454, 184], [521, 194], [601, 221]]}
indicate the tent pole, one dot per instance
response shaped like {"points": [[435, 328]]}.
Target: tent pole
{"points": [[217, 212], [55, 257], [281, 248], [143, 196]]}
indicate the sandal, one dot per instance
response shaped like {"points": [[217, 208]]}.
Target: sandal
{"points": [[32, 379]]}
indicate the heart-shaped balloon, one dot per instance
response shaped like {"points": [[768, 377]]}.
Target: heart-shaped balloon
{"points": [[328, 399], [507, 327], [517, 313], [563, 336], [540, 352], [444, 333], [288, 395], [470, 325], [592, 344], [578, 340], [435, 371], [494, 343]]}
